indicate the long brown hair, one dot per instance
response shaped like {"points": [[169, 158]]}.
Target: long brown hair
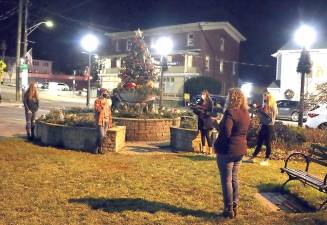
{"points": [[32, 92], [237, 100], [207, 97]]}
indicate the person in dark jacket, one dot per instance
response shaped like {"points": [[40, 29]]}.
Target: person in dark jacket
{"points": [[205, 124], [31, 106], [267, 115], [231, 146]]}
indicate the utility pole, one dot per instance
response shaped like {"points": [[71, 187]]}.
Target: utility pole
{"points": [[19, 37], [25, 28], [89, 83]]}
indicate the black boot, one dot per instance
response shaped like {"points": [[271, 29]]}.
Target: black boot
{"points": [[33, 133], [228, 212]]}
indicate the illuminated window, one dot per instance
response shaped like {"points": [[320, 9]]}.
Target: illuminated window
{"points": [[207, 63], [221, 65], [118, 62], [189, 61]]}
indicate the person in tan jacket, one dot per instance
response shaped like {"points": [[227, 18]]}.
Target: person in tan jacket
{"points": [[103, 117]]}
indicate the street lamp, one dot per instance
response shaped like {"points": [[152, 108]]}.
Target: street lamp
{"points": [[89, 43], [305, 36], [163, 46], [47, 23]]}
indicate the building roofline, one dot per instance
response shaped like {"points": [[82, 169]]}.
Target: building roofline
{"points": [[181, 28]]}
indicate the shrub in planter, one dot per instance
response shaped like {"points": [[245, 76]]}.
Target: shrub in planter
{"points": [[72, 117], [189, 123]]}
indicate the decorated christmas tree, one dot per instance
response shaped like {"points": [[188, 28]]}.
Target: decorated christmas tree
{"points": [[138, 71]]}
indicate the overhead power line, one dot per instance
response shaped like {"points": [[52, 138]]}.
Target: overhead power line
{"points": [[8, 14]]}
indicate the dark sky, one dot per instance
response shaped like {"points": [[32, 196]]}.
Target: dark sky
{"points": [[267, 25]]}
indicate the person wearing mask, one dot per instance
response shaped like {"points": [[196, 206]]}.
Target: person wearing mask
{"points": [[231, 146], [267, 115], [205, 123], [31, 106], [103, 117]]}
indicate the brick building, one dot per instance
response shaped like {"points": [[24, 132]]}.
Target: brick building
{"points": [[203, 48]]}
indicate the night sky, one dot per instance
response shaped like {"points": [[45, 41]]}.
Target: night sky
{"points": [[267, 25]]}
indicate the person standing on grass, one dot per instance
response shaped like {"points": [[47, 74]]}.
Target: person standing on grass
{"points": [[205, 123], [103, 117], [267, 115], [231, 146], [31, 106]]}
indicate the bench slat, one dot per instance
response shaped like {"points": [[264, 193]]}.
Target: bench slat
{"points": [[318, 161], [305, 176]]}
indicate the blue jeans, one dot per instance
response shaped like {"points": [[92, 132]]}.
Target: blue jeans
{"points": [[228, 167], [102, 130], [30, 123]]}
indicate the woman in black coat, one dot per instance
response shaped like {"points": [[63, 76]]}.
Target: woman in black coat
{"points": [[205, 124], [31, 106]]}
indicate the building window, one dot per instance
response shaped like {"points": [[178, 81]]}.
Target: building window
{"points": [[46, 64], [221, 65], [114, 63], [222, 44], [118, 62], [172, 79], [117, 46], [107, 63], [207, 63], [234, 68], [128, 45], [189, 61], [190, 39]]}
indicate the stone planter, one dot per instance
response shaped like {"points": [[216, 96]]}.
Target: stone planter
{"points": [[147, 129], [185, 139], [188, 140], [79, 138]]}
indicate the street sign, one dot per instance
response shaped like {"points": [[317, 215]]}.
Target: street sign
{"points": [[24, 76]]}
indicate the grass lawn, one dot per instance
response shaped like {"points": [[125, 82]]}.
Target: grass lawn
{"points": [[43, 185]]}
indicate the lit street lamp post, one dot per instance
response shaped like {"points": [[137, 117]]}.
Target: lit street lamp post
{"points": [[163, 46], [304, 37], [90, 44], [24, 63]]}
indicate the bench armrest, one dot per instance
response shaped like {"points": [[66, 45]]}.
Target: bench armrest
{"points": [[298, 154], [325, 180]]}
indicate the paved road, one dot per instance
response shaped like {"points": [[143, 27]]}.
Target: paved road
{"points": [[12, 117]]}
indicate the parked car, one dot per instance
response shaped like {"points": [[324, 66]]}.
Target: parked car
{"points": [[317, 117], [55, 86], [45, 85], [289, 110], [39, 85]]}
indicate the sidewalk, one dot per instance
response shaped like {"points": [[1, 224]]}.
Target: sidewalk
{"points": [[8, 95]]}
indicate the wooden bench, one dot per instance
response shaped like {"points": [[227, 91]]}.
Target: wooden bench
{"points": [[316, 154]]}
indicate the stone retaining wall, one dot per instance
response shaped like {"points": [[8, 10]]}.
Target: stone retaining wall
{"points": [[147, 129], [79, 138]]}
